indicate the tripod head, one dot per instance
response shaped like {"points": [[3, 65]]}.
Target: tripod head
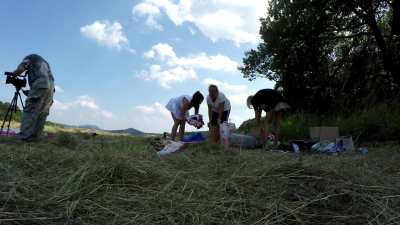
{"points": [[19, 82]]}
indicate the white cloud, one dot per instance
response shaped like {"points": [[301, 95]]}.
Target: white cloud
{"points": [[82, 103], [170, 69], [238, 88], [106, 33], [234, 20], [152, 118], [192, 31], [167, 76], [151, 11]]}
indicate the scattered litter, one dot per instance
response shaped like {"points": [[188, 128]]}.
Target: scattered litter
{"points": [[171, 147], [296, 148], [304, 145], [197, 137], [11, 133], [196, 121], [8, 134], [363, 151], [345, 144], [244, 141], [328, 148]]}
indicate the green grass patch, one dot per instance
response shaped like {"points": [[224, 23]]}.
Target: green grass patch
{"points": [[78, 179]]}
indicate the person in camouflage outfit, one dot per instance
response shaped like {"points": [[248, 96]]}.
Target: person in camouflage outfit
{"points": [[39, 97]]}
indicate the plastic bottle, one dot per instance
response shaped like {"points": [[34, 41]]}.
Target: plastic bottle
{"points": [[296, 148], [363, 151]]}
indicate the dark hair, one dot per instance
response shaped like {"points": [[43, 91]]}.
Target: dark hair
{"points": [[213, 86], [197, 99]]}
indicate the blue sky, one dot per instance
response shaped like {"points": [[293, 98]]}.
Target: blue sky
{"points": [[117, 63]]}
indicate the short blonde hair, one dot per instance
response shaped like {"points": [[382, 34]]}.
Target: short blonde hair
{"points": [[213, 87]]}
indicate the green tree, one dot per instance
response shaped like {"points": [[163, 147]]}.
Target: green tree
{"points": [[328, 52]]}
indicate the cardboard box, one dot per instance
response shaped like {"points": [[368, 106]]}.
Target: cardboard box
{"points": [[324, 133], [345, 143]]}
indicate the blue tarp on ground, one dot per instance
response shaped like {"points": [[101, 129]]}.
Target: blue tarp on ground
{"points": [[197, 137]]}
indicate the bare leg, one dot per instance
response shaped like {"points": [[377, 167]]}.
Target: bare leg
{"points": [[217, 135], [174, 127], [182, 124], [214, 133], [278, 123]]}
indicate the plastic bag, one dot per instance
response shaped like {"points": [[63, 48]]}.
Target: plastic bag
{"points": [[170, 148], [225, 132]]}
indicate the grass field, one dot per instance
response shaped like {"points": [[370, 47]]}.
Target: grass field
{"points": [[80, 179]]}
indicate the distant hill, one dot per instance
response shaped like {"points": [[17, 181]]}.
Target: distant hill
{"points": [[91, 127], [129, 131]]}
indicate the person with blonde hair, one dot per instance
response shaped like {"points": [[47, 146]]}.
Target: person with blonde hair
{"points": [[219, 108], [273, 103]]}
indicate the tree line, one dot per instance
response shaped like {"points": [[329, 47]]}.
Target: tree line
{"points": [[330, 55]]}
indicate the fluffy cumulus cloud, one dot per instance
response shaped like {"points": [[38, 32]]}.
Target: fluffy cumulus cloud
{"points": [[106, 33], [152, 118], [84, 110], [169, 68], [233, 88], [234, 20], [151, 12]]}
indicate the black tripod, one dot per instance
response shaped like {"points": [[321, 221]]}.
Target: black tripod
{"points": [[12, 110]]}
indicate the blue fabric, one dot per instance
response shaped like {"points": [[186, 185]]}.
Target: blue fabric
{"points": [[197, 137]]}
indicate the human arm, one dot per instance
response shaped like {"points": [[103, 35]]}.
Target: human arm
{"points": [[22, 67], [209, 114], [184, 108], [220, 111]]}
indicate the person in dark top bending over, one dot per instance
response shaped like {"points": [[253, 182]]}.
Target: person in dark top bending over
{"points": [[273, 103]]}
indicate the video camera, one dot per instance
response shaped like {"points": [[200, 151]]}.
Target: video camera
{"points": [[19, 82]]}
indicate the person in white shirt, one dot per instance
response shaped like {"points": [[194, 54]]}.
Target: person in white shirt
{"points": [[219, 108], [179, 108]]}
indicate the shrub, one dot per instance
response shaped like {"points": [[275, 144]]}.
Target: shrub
{"points": [[67, 140], [377, 124]]}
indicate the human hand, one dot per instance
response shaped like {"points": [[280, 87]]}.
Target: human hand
{"points": [[26, 92]]}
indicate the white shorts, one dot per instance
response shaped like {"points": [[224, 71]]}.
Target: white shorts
{"points": [[281, 106]]}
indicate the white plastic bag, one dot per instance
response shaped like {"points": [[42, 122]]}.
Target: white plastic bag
{"points": [[170, 148], [225, 131]]}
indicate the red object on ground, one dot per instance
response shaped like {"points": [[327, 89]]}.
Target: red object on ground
{"points": [[8, 134]]}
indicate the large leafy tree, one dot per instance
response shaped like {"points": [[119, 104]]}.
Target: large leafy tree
{"points": [[323, 52]]}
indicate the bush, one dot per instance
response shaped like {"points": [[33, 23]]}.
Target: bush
{"points": [[67, 140], [378, 124], [4, 109]]}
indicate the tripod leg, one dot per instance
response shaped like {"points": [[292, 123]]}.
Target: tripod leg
{"points": [[22, 103], [13, 110], [9, 113]]}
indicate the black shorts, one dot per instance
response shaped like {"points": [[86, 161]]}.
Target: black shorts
{"points": [[214, 117]]}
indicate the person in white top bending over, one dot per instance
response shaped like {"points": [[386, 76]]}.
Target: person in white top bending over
{"points": [[179, 108]]}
